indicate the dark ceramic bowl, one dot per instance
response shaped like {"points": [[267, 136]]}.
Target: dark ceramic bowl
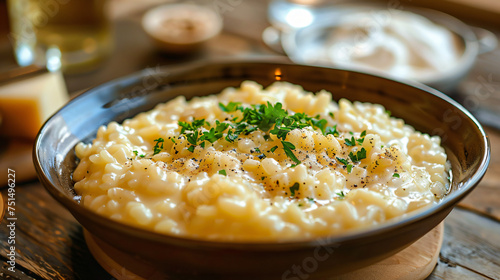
{"points": [[420, 106]]}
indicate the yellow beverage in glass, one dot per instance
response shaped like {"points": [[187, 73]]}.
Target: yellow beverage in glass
{"points": [[74, 35]]}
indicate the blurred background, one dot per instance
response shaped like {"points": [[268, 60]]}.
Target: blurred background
{"points": [[119, 45]]}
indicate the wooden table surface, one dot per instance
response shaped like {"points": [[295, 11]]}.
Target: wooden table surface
{"points": [[49, 242]]}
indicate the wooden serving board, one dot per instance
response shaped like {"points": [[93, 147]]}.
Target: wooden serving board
{"points": [[415, 262]]}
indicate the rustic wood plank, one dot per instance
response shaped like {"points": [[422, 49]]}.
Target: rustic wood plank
{"points": [[445, 271], [471, 247], [49, 242]]}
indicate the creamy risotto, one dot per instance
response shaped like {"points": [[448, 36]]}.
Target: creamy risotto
{"points": [[260, 164]]}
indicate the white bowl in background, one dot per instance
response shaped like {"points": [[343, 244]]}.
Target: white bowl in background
{"points": [[303, 44]]}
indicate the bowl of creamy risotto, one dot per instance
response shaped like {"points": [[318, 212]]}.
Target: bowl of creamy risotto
{"points": [[243, 169]]}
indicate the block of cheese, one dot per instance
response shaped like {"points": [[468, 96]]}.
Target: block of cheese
{"points": [[27, 103]]}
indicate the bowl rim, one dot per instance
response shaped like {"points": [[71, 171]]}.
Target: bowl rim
{"points": [[73, 206], [471, 47]]}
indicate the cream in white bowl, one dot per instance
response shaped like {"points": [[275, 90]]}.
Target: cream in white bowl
{"points": [[401, 44], [416, 44]]}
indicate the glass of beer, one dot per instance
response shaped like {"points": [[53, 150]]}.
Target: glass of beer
{"points": [[69, 35]]}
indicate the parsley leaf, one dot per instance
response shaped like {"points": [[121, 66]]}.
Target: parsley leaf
{"points": [[270, 115], [223, 172], [396, 175], [294, 188], [341, 194], [350, 142], [231, 136], [288, 147], [158, 145], [361, 154], [332, 130], [273, 149], [343, 161], [349, 168], [230, 107]]}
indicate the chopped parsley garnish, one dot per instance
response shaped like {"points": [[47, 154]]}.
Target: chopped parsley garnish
{"points": [[158, 145], [396, 175], [310, 199], [349, 168], [230, 107], [214, 134], [343, 161], [137, 154], [350, 142], [173, 140], [331, 115], [269, 118], [294, 188], [332, 130], [362, 139], [223, 172], [388, 112], [341, 194], [361, 154], [288, 147]]}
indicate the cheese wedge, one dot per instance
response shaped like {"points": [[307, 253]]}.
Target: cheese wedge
{"points": [[26, 104]]}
